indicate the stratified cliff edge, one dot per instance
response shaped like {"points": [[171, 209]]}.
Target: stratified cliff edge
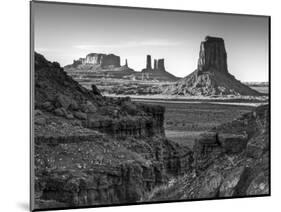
{"points": [[232, 160], [92, 150], [211, 76]]}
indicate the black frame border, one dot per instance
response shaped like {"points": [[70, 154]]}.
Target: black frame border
{"points": [[31, 89]]}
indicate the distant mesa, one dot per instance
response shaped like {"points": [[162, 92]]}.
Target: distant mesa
{"points": [[211, 76], [104, 60], [158, 65], [98, 65]]}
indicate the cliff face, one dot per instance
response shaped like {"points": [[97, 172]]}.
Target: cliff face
{"points": [[232, 160], [92, 150], [212, 55], [211, 76]]}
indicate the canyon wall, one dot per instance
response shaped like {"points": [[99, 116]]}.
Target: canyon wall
{"points": [[232, 160], [94, 150]]}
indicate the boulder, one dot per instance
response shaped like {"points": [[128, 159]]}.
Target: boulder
{"points": [[89, 107], [212, 55], [48, 106], [207, 138], [69, 116], [95, 90], [60, 112], [40, 120], [63, 101]]}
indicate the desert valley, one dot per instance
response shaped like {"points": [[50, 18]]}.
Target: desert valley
{"points": [[108, 134]]}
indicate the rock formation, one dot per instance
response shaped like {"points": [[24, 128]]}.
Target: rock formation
{"points": [[155, 64], [104, 60], [211, 76], [96, 66], [148, 62], [159, 65], [212, 55], [158, 72], [91, 150], [232, 160]]}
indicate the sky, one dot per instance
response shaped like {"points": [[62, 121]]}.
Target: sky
{"points": [[63, 33]]}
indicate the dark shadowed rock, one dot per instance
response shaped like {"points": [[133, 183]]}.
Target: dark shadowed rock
{"points": [[212, 55], [80, 115], [60, 112], [95, 90]]}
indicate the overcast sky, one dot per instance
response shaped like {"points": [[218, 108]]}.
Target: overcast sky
{"points": [[66, 32]]}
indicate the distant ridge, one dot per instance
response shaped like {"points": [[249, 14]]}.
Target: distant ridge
{"points": [[98, 65]]}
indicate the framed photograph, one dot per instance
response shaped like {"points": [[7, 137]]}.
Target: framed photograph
{"points": [[140, 105]]}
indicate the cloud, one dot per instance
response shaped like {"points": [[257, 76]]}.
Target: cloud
{"points": [[130, 44], [47, 50]]}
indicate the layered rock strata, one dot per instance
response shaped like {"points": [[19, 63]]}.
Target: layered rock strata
{"points": [[93, 150]]}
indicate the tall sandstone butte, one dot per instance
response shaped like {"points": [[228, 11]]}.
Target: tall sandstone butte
{"points": [[158, 72], [211, 76], [148, 62], [212, 55]]}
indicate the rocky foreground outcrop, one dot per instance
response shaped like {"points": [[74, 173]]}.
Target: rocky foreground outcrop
{"points": [[92, 150], [211, 77], [232, 160]]}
